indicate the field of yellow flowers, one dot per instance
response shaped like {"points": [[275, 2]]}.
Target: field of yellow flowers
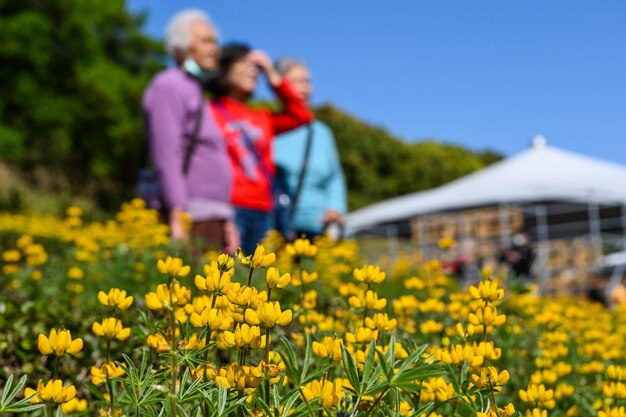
{"points": [[111, 319]]}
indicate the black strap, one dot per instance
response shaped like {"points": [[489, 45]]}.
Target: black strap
{"points": [[305, 163], [247, 141], [193, 140]]}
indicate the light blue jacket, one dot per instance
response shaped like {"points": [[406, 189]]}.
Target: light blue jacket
{"points": [[324, 186]]}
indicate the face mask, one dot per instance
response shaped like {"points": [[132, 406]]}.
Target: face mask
{"points": [[192, 68]]}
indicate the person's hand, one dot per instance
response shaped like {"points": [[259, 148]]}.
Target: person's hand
{"points": [[231, 237], [264, 63], [178, 228], [332, 216]]}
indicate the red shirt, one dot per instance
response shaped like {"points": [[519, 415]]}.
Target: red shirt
{"points": [[252, 188]]}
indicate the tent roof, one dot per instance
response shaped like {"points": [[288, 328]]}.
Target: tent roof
{"points": [[539, 173]]}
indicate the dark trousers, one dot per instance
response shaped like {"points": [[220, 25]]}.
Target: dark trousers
{"points": [[252, 225]]}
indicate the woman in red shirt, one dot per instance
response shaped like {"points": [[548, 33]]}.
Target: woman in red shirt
{"points": [[250, 133]]}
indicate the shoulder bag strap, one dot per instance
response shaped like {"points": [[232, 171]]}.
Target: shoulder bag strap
{"points": [[248, 142], [305, 163], [193, 140]]}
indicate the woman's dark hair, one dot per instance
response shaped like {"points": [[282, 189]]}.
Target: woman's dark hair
{"points": [[231, 53]]}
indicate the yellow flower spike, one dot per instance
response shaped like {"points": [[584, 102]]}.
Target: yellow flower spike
{"points": [[260, 259], [111, 328], [58, 343], [157, 342], [368, 299], [211, 317], [381, 322], [245, 336], [53, 392], [328, 348], [115, 298], [173, 267], [74, 406], [612, 412], [168, 297], [309, 277], [75, 273], [538, 412], [301, 247], [538, 395], [489, 378], [369, 274], [225, 262], [215, 281], [275, 280], [269, 314], [487, 291], [99, 374], [11, 255]]}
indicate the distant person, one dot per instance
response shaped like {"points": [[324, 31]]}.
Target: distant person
{"points": [[187, 147], [519, 257], [317, 188], [250, 135]]}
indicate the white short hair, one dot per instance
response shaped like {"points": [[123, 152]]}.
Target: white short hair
{"points": [[178, 32], [285, 64]]}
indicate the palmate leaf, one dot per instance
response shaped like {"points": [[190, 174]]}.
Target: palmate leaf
{"points": [[349, 366], [9, 393]]}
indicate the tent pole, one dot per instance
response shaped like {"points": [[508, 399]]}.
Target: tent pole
{"points": [[505, 223], [595, 227], [623, 210], [543, 246]]}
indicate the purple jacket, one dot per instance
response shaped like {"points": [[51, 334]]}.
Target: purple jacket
{"points": [[170, 104]]}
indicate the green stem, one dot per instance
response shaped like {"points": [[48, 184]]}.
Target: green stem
{"points": [[375, 402], [267, 362], [250, 276], [308, 406], [56, 367], [174, 352]]}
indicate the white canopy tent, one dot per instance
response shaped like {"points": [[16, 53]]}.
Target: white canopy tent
{"points": [[540, 173]]}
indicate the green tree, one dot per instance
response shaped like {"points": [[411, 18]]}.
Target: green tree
{"points": [[72, 73]]}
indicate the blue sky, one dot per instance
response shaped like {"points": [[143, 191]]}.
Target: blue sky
{"points": [[482, 74]]}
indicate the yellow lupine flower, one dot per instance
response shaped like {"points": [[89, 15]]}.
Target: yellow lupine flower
{"points": [[261, 259], [75, 273], [109, 370], [225, 262], [487, 291], [269, 314], [115, 298], [173, 267], [616, 373], [328, 348], [328, 391], [367, 299], [301, 247], [309, 277], [244, 296], [369, 274], [168, 297], [74, 406], [538, 395], [59, 342], [487, 316], [11, 255], [489, 378], [612, 412], [211, 317], [380, 322], [431, 327], [362, 335], [53, 392], [157, 342], [536, 412], [214, 281], [275, 280], [437, 389], [245, 336], [111, 327]]}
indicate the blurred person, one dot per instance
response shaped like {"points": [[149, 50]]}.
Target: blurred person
{"points": [[314, 178], [250, 135], [187, 148]]}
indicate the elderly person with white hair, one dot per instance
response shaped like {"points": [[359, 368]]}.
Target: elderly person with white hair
{"points": [[187, 148], [308, 163]]}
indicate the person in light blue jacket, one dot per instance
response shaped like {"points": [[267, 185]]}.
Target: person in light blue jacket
{"points": [[322, 197]]}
